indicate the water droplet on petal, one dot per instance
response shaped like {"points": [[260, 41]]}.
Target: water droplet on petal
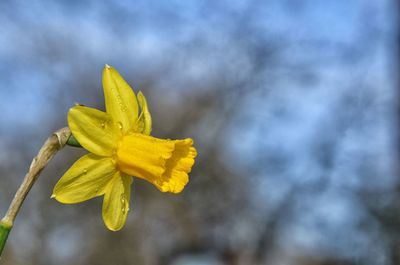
{"points": [[85, 171], [103, 125], [120, 125], [123, 203]]}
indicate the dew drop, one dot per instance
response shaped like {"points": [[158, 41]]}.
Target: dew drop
{"points": [[123, 203], [103, 125], [120, 125], [85, 171]]}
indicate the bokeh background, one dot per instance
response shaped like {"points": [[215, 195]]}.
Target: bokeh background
{"points": [[293, 105]]}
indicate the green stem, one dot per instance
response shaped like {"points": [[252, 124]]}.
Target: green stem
{"points": [[4, 231]]}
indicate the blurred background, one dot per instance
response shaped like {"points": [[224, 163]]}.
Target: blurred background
{"points": [[293, 106]]}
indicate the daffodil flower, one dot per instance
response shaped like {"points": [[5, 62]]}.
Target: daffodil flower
{"points": [[120, 147]]}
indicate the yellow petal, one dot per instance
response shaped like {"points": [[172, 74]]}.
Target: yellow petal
{"points": [[120, 100], [93, 129], [164, 163], [116, 201], [144, 121], [87, 178]]}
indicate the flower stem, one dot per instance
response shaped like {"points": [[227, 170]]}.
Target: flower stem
{"points": [[4, 231], [73, 142], [54, 143]]}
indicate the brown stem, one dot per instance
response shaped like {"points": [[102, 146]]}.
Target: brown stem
{"points": [[54, 143]]}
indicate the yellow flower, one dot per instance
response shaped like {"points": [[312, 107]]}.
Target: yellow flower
{"points": [[120, 147]]}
